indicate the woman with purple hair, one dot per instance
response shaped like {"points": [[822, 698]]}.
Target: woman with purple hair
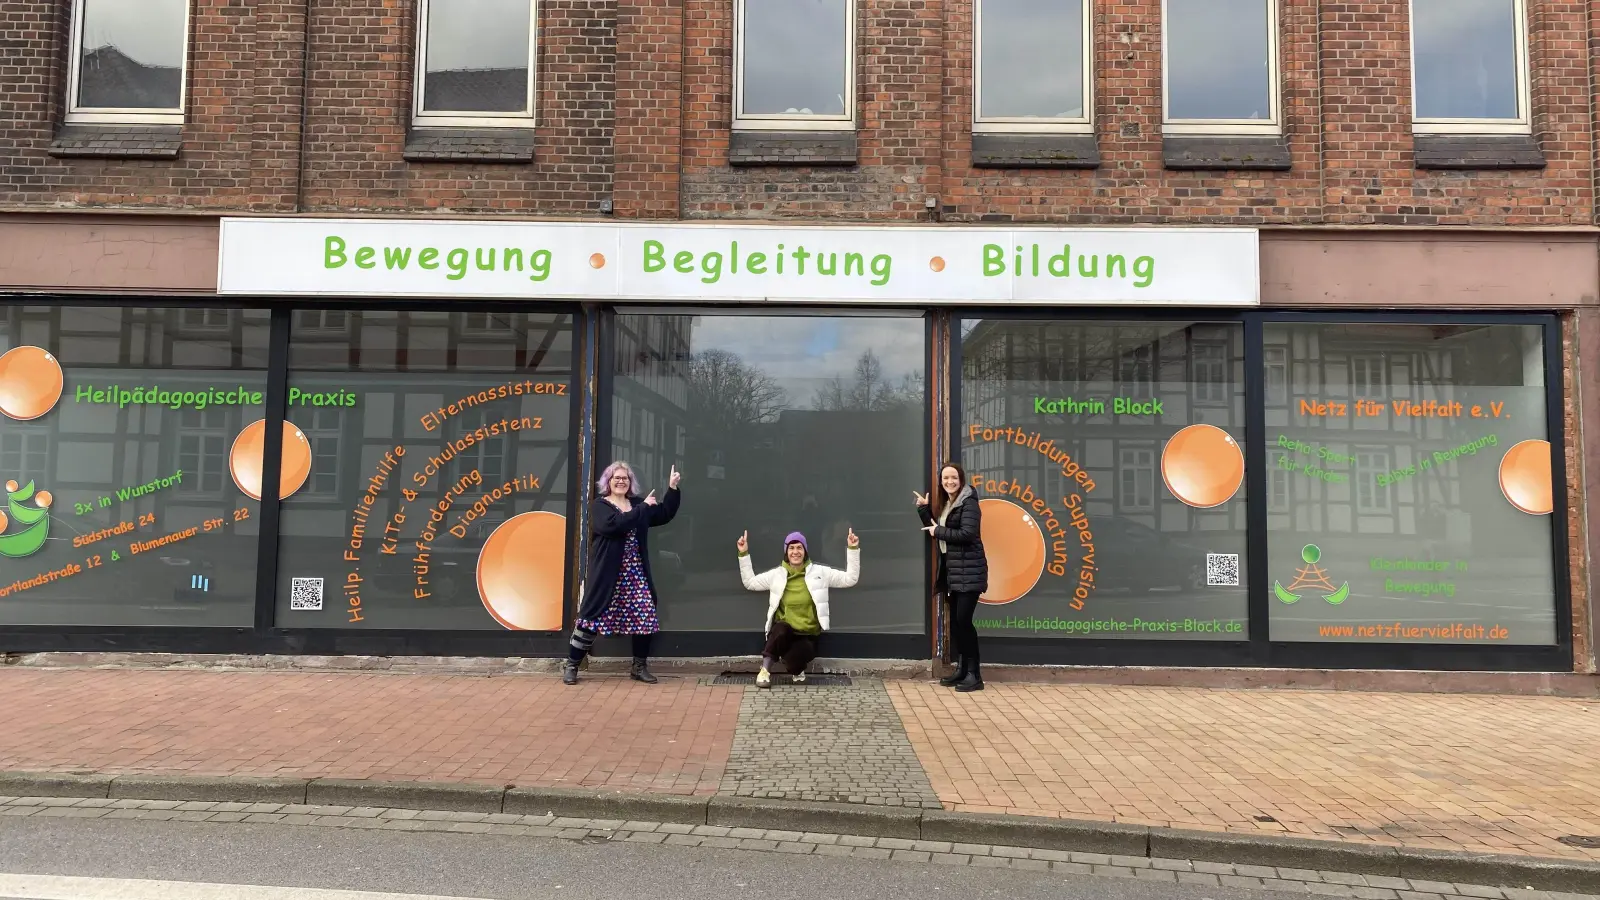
{"points": [[797, 601], [619, 596]]}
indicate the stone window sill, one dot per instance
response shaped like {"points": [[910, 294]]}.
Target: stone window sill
{"points": [[1225, 152], [1035, 151], [792, 148], [469, 145], [118, 142], [1478, 151]]}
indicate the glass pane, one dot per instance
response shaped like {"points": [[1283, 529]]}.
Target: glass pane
{"points": [[1418, 486], [1218, 63], [779, 423], [1111, 480], [1466, 58], [1032, 59], [477, 56], [126, 470], [435, 473], [794, 57], [131, 55]]}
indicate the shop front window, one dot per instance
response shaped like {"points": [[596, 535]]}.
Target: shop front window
{"points": [[430, 462], [1113, 492], [779, 423], [1419, 486], [130, 472]]}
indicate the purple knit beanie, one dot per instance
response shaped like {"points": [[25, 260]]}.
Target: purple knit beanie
{"points": [[796, 537]]}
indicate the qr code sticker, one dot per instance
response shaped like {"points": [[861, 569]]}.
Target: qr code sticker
{"points": [[305, 593], [1222, 569]]}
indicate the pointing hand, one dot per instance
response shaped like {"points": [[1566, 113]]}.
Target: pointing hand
{"points": [[650, 500], [743, 543], [674, 478], [852, 541]]}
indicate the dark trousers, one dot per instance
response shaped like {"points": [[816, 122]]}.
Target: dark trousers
{"points": [[795, 649], [963, 634]]}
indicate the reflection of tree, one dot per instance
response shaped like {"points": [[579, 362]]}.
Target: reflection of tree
{"points": [[868, 389], [725, 392]]}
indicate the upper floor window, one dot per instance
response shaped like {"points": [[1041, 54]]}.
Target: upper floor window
{"points": [[1032, 66], [475, 62], [1469, 63], [1220, 60], [794, 64], [127, 63]]}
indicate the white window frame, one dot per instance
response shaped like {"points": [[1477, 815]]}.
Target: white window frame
{"points": [[473, 118], [1032, 124], [1522, 124], [101, 115], [1273, 124], [785, 121]]}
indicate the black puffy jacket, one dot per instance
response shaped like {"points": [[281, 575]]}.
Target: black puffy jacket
{"points": [[963, 568]]}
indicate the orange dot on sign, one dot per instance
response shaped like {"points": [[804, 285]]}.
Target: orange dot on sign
{"points": [[1202, 466], [249, 448], [4, 521], [1525, 477], [597, 261], [30, 382], [11, 485], [936, 264], [520, 571], [44, 499], [1014, 546]]}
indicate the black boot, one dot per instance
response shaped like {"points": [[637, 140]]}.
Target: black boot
{"points": [[641, 671], [973, 680], [961, 672], [569, 672]]}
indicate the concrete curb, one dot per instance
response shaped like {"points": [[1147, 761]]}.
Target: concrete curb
{"points": [[1111, 838]]}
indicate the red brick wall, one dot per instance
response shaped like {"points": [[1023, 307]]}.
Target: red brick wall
{"points": [[649, 109]]}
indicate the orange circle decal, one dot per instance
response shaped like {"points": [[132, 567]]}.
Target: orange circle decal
{"points": [[1525, 477], [520, 570], [30, 382], [1202, 466], [245, 460], [597, 261], [936, 264], [44, 499], [1015, 548]]}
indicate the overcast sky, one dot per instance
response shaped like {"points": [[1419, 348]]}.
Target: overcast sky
{"points": [[1032, 56], [794, 56], [478, 34], [147, 31], [802, 352]]}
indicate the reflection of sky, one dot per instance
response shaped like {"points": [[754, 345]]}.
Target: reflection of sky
{"points": [[1217, 66], [1032, 57], [478, 34], [147, 31], [794, 56], [1466, 60], [800, 352]]}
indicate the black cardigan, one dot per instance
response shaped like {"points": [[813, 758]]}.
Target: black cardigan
{"points": [[963, 568], [608, 534]]}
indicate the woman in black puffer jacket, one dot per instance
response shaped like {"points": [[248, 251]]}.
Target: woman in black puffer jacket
{"points": [[955, 521]]}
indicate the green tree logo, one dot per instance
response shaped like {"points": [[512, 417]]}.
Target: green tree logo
{"points": [[34, 518], [1311, 575]]}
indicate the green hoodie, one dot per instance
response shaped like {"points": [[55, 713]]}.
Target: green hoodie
{"points": [[797, 609]]}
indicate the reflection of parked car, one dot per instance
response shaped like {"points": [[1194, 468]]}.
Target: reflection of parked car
{"points": [[1135, 557]]}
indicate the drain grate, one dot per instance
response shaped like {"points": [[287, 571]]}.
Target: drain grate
{"points": [[749, 678], [1586, 841]]}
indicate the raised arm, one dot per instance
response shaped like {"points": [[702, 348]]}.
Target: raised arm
{"points": [[967, 528], [747, 572], [852, 570]]}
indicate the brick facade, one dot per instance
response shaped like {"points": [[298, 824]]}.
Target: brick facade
{"points": [[634, 103]]}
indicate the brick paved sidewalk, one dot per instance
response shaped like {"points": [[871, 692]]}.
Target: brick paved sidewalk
{"points": [[1500, 774], [1483, 773]]}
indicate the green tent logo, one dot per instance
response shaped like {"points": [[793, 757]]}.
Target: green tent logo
{"points": [[1311, 575], [34, 517]]}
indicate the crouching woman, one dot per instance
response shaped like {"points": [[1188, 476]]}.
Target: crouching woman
{"points": [[797, 601]]}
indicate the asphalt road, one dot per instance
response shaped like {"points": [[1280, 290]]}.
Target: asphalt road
{"points": [[493, 867]]}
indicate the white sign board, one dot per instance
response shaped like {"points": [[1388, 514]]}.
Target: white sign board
{"points": [[381, 258]]}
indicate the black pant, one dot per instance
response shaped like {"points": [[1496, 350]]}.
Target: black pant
{"points": [[795, 649], [963, 634], [582, 641]]}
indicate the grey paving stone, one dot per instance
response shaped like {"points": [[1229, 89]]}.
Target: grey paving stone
{"points": [[1214, 868], [833, 850], [1114, 871], [991, 862], [1389, 881], [1170, 865], [949, 859], [1376, 893], [1433, 887], [1071, 868], [1240, 881], [833, 744], [870, 852], [1331, 890], [1300, 875], [1420, 895], [1201, 878], [1478, 890], [911, 855]]}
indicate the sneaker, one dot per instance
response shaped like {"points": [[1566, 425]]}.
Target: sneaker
{"points": [[763, 679], [799, 679]]}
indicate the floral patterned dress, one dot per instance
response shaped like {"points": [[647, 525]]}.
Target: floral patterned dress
{"points": [[632, 609]]}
